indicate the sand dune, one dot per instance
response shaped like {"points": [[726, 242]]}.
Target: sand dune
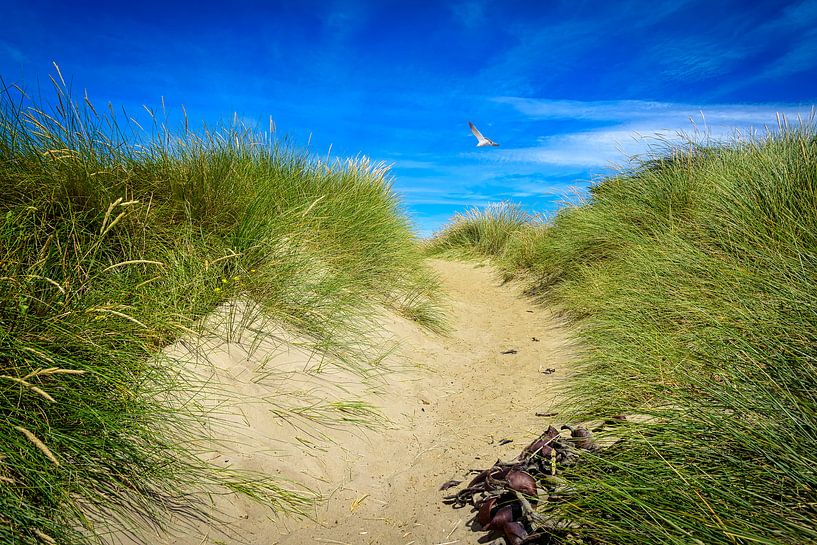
{"points": [[449, 401]]}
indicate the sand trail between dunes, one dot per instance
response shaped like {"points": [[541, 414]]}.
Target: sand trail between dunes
{"points": [[453, 401]]}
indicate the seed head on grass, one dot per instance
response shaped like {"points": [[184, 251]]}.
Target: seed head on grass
{"points": [[39, 444], [45, 537], [25, 384]]}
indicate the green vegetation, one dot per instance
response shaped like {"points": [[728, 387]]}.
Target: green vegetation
{"points": [[481, 233], [692, 280], [113, 245]]}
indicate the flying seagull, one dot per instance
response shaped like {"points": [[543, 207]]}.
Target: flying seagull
{"points": [[481, 140]]}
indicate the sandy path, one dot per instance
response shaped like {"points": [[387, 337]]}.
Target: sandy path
{"points": [[456, 398]]}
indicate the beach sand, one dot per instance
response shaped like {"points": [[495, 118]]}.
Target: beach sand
{"points": [[449, 401]]}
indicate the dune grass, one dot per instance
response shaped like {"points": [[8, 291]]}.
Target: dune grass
{"points": [[116, 241], [480, 232], [691, 279]]}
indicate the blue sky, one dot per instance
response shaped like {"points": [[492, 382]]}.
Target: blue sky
{"points": [[568, 88]]}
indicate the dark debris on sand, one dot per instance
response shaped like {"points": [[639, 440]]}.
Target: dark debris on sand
{"points": [[506, 495]]}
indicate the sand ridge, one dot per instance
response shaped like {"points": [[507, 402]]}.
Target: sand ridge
{"points": [[454, 400]]}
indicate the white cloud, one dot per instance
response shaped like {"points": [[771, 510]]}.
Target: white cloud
{"points": [[636, 127], [538, 171], [591, 149], [624, 111]]}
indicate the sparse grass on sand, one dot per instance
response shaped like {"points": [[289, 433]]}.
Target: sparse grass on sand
{"points": [[693, 282], [113, 243]]}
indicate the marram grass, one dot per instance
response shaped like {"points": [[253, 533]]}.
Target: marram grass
{"points": [[480, 232], [113, 245], [692, 280]]}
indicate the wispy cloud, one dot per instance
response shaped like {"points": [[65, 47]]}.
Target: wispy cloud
{"points": [[696, 58], [802, 56], [436, 196], [413, 164], [12, 53], [545, 47], [634, 128], [797, 16], [656, 113], [794, 31], [592, 149], [559, 145], [469, 14], [342, 20]]}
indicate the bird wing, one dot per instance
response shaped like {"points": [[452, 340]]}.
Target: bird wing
{"points": [[476, 132]]}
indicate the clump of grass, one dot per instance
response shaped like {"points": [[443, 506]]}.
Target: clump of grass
{"points": [[691, 280], [114, 244], [480, 232]]}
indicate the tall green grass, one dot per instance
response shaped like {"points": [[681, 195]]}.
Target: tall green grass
{"points": [[480, 232], [693, 282], [116, 241]]}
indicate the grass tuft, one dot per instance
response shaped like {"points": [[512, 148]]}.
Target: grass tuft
{"points": [[481, 232]]}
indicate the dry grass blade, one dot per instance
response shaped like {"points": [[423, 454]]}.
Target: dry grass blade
{"points": [[117, 219], [230, 255], [37, 353], [39, 444], [30, 386], [53, 371], [49, 280], [311, 206], [45, 537], [88, 102], [117, 313], [133, 262], [59, 73], [108, 214]]}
